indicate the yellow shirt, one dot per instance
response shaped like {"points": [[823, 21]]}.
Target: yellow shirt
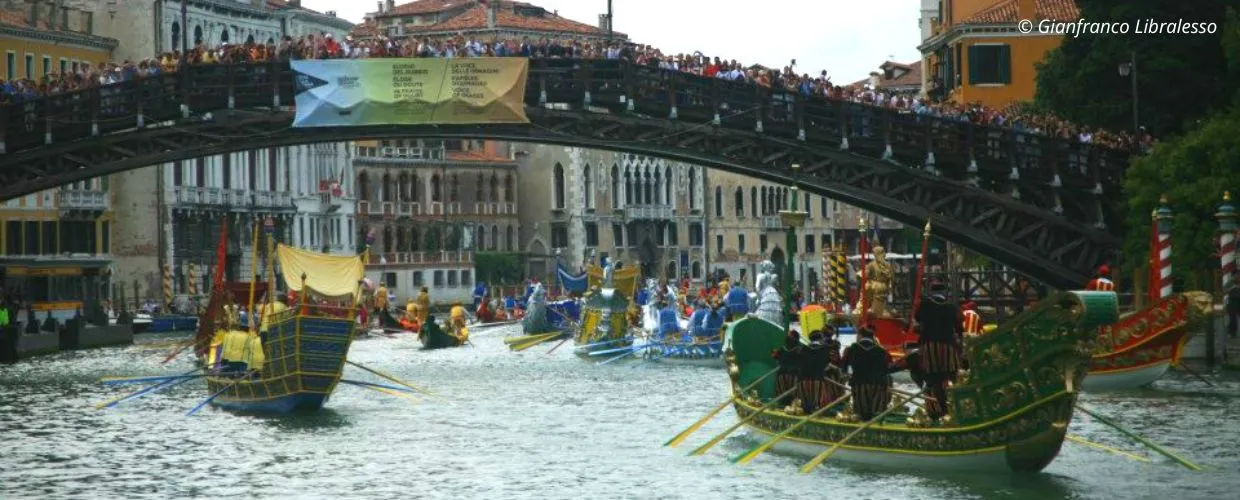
{"points": [[424, 303], [235, 342], [381, 297], [269, 312], [254, 356]]}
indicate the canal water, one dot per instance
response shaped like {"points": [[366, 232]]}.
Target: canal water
{"points": [[524, 425]]}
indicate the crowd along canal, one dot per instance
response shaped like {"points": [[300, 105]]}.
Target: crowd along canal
{"points": [[525, 425]]}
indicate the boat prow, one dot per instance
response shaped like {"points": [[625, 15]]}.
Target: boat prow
{"points": [[1010, 413], [1139, 349]]}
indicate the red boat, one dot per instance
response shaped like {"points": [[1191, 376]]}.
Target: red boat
{"points": [[1140, 348]]}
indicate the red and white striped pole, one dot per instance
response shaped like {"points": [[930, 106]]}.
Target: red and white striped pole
{"points": [[1164, 249], [1227, 239]]}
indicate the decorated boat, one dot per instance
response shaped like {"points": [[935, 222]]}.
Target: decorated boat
{"points": [[545, 321], [605, 314], [304, 347], [1010, 413], [1142, 346], [699, 344]]}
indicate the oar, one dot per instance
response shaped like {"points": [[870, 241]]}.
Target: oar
{"points": [[1193, 373], [605, 342], [186, 345], [386, 389], [391, 378], [680, 438], [149, 378], [625, 355], [526, 338], [213, 396], [758, 450], [557, 346], [1139, 439], [1103, 447], [148, 390], [809, 466], [532, 340], [611, 351], [701, 450], [532, 343]]}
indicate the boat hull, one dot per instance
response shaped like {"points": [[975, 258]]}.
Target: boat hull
{"points": [[604, 324], [708, 354], [436, 338], [1026, 442], [1138, 350], [305, 361]]}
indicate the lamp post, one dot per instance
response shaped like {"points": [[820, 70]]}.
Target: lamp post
{"points": [[1130, 69], [609, 22], [791, 218]]}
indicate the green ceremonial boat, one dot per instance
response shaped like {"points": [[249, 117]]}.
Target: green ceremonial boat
{"points": [[1009, 413]]}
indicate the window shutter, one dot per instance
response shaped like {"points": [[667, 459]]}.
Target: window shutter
{"points": [[972, 60], [1005, 64]]}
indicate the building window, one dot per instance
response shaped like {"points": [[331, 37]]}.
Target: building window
{"points": [[10, 68], [466, 278], [64, 65], [591, 234], [718, 201], [990, 64], [589, 187], [740, 202], [615, 186], [30, 66], [438, 278], [740, 244], [418, 279], [510, 243], [673, 237], [617, 235], [559, 236], [753, 201], [452, 278], [558, 202], [13, 244], [696, 238], [389, 280], [809, 243], [692, 189], [822, 206], [47, 65], [494, 238], [697, 269], [762, 243], [436, 192], [809, 209], [508, 188]]}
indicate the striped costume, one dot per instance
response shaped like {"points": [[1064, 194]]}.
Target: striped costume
{"points": [[870, 365]]}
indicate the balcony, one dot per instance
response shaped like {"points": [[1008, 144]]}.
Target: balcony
{"points": [[396, 155], [273, 199], [772, 223], [240, 198], [495, 208], [407, 209], [83, 200], [423, 259], [649, 212]]}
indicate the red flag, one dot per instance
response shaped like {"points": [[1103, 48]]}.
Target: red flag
{"points": [[221, 251]]}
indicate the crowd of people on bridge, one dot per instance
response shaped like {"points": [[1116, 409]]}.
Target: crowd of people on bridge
{"points": [[1017, 117]]}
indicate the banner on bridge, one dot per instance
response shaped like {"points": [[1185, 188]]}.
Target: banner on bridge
{"points": [[357, 92]]}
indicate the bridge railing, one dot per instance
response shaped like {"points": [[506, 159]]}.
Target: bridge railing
{"points": [[993, 157]]}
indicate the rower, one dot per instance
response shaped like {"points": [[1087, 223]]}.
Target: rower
{"points": [[870, 364], [483, 311], [669, 321], [941, 329], [789, 359], [424, 305], [381, 299], [697, 321], [737, 300], [714, 320], [480, 293], [456, 318], [1102, 280], [972, 324], [816, 373]]}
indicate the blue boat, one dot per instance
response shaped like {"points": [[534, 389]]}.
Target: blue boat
{"points": [[162, 323]]}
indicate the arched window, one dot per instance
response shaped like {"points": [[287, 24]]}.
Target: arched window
{"points": [[509, 244], [766, 201], [224, 36], [697, 269], [588, 186], [389, 244], [402, 240], [454, 188], [403, 191], [615, 186], [508, 189], [386, 188], [494, 188], [667, 186], [559, 186], [250, 39], [753, 201], [494, 238], [480, 238], [197, 35], [363, 186], [739, 201], [628, 187], [692, 190], [718, 201], [478, 186], [436, 191], [415, 242], [648, 181], [415, 188], [176, 35]]}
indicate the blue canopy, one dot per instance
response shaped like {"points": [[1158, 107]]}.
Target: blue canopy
{"points": [[578, 284]]}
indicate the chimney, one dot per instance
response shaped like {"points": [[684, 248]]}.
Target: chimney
{"points": [[1027, 9]]}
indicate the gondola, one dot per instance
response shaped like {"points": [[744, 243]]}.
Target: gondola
{"points": [[433, 336], [1010, 413]]}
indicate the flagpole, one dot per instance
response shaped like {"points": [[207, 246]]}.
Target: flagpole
{"points": [[921, 273]]}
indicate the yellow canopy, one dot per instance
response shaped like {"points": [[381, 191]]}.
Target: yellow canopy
{"points": [[329, 275], [625, 279]]}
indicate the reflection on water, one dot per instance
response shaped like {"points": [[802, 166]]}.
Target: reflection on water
{"points": [[522, 425]]}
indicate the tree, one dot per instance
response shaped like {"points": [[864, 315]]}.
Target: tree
{"points": [[1192, 170], [1080, 80], [498, 267]]}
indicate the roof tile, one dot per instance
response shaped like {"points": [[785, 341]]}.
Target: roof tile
{"points": [[1005, 11]]}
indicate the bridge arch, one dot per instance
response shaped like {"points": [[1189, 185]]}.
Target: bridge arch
{"points": [[904, 167]]}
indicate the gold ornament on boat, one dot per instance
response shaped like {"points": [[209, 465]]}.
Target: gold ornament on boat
{"points": [[846, 415], [919, 419]]}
